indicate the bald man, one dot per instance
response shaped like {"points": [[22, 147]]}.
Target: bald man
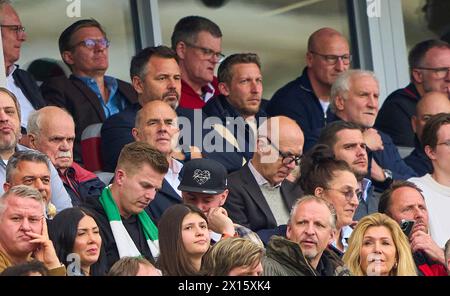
{"points": [[431, 104], [260, 196], [156, 124], [51, 130], [306, 98]]}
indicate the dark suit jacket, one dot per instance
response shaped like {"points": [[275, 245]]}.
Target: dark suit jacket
{"points": [[27, 84], [246, 205], [77, 98], [116, 133], [165, 198]]}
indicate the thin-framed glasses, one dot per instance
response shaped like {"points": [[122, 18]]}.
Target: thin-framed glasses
{"points": [[333, 59], [16, 28], [91, 43], [446, 143], [347, 193], [207, 52], [286, 158], [439, 72]]}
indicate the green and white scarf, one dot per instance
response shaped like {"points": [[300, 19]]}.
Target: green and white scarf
{"points": [[124, 243]]}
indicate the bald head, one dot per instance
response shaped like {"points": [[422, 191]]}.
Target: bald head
{"points": [[280, 145], [328, 56], [156, 124], [51, 130], [316, 40], [430, 104]]}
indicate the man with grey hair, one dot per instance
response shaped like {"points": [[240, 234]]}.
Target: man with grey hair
{"points": [[23, 230], [304, 251], [10, 125], [18, 81], [51, 130], [354, 98]]}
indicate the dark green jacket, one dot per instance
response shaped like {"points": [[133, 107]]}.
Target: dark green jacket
{"points": [[285, 258]]}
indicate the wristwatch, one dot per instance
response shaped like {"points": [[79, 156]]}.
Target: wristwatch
{"points": [[387, 174]]}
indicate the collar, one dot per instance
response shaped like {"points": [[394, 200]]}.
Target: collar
{"points": [[11, 69], [258, 177], [175, 166], [305, 83], [346, 232]]}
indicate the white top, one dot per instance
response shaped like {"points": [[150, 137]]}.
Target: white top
{"points": [[25, 106], [173, 175], [437, 199], [324, 105]]}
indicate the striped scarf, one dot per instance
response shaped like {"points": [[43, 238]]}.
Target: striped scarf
{"points": [[124, 243]]}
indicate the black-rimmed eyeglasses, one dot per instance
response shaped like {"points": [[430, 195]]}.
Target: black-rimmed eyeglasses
{"points": [[207, 52], [439, 72], [333, 59], [286, 158], [16, 28]]}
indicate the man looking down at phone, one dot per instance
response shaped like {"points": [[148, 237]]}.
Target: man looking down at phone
{"points": [[404, 201]]}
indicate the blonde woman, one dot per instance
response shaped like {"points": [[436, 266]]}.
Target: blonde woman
{"points": [[378, 246]]}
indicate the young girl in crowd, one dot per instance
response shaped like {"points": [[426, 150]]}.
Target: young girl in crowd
{"points": [[183, 240]]}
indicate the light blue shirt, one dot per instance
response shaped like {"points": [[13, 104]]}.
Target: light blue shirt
{"points": [[116, 102]]}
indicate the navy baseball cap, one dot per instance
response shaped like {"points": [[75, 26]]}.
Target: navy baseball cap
{"points": [[203, 176]]}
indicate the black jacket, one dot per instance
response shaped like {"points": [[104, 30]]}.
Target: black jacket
{"points": [[231, 157], [394, 117], [246, 204], [298, 101], [27, 84]]}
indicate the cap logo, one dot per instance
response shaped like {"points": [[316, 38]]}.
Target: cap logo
{"points": [[201, 177]]}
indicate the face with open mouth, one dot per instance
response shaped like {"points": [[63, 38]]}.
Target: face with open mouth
{"points": [[378, 254]]}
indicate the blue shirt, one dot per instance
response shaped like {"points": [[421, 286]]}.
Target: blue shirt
{"points": [[116, 102]]}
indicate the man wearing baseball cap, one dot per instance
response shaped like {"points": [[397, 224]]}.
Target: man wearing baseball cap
{"points": [[204, 185]]}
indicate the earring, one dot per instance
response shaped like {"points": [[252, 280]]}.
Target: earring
{"points": [[395, 265]]}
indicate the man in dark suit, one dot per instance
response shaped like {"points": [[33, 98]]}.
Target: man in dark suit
{"points": [[88, 94], [260, 197], [18, 81], [155, 75]]}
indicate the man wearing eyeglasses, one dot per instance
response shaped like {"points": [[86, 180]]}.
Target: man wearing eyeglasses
{"points": [[88, 94], [436, 186], [198, 44], [18, 81], [430, 104], [429, 66], [260, 196], [306, 98]]}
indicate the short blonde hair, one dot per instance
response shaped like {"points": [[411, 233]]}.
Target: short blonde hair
{"points": [[405, 266], [229, 253]]}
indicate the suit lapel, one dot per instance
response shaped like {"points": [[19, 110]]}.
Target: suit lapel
{"points": [[168, 191], [256, 194], [90, 95]]}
